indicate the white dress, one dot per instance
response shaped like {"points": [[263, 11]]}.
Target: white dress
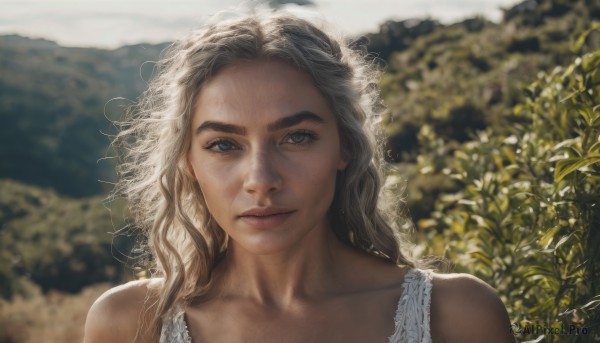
{"points": [[412, 314]]}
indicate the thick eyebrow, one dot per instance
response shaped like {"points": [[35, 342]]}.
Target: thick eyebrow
{"points": [[282, 123]]}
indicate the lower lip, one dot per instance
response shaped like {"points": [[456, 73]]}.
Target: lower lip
{"points": [[266, 222]]}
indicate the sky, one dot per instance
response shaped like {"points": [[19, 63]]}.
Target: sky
{"points": [[113, 23]]}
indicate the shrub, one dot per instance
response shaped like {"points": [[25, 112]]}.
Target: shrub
{"points": [[527, 216], [56, 242]]}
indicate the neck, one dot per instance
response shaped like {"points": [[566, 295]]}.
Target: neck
{"points": [[308, 270]]}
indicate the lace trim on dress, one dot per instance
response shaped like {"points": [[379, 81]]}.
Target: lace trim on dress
{"points": [[411, 320], [175, 328], [412, 315]]}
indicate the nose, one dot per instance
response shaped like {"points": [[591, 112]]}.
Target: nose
{"points": [[262, 177]]}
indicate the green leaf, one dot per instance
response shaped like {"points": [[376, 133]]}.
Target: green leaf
{"points": [[548, 237], [569, 165], [586, 112], [539, 339], [590, 62], [481, 257], [567, 144], [595, 146], [572, 94], [538, 270], [578, 45], [563, 241], [592, 304]]}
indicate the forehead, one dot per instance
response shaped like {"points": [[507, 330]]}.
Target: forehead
{"points": [[261, 89]]}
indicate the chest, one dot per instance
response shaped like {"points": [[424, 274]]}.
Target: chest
{"points": [[337, 321]]}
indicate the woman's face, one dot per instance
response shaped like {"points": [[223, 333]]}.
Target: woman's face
{"points": [[265, 151]]}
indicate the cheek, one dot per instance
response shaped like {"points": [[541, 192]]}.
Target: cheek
{"points": [[216, 185], [317, 180]]}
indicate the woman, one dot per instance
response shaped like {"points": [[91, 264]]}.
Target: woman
{"points": [[253, 167]]}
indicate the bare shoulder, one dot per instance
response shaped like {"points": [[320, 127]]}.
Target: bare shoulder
{"points": [[117, 314], [466, 309]]}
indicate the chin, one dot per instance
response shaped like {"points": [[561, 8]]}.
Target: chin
{"points": [[267, 245]]}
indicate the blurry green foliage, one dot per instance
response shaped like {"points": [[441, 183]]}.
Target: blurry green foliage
{"points": [[515, 204], [458, 72], [53, 102], [56, 242], [526, 217], [457, 80]]}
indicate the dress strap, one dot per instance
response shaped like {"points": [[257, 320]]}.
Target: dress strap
{"points": [[412, 322], [174, 328]]}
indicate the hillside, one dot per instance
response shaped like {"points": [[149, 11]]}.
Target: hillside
{"points": [[53, 102], [494, 130], [462, 76], [59, 243], [465, 77]]}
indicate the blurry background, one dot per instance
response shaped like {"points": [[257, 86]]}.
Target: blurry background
{"points": [[114, 23], [493, 134]]}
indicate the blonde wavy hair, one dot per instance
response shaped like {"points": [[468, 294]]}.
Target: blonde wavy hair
{"points": [[166, 201]]}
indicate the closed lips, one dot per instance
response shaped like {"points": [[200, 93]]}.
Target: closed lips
{"points": [[265, 212]]}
